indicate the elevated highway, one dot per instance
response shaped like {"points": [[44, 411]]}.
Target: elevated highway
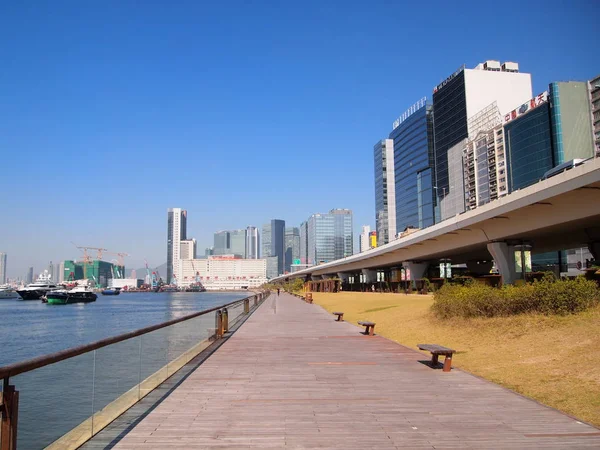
{"points": [[554, 214]]}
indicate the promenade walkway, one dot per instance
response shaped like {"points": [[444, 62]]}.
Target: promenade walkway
{"points": [[292, 377]]}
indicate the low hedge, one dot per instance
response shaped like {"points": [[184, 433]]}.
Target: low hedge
{"points": [[546, 296]]}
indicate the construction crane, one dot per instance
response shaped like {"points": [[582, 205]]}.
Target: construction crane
{"points": [[121, 256], [87, 258]]}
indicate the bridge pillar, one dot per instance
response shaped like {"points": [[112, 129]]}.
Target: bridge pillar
{"points": [[480, 267], [504, 255], [370, 275], [594, 248], [417, 270], [344, 277]]}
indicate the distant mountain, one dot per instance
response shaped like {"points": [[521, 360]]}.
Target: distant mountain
{"points": [[162, 271]]}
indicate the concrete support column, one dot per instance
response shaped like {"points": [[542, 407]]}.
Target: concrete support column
{"points": [[594, 248], [504, 255], [417, 270], [344, 277], [370, 275]]}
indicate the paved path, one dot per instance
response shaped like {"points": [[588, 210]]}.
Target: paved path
{"points": [[291, 377]]}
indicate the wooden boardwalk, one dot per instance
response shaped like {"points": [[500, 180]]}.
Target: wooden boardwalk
{"points": [[292, 377]]}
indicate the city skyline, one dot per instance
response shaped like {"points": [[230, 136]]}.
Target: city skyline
{"points": [[314, 87]]}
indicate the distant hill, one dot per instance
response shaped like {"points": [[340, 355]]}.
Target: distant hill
{"points": [[162, 270]]}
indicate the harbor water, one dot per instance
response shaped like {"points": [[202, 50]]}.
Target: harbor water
{"points": [[56, 398]]}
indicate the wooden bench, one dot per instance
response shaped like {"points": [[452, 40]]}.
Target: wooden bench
{"points": [[436, 351], [369, 327], [340, 316]]}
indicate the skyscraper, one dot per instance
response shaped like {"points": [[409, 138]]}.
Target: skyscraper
{"points": [[292, 247], [273, 246], [51, 271], [385, 191], [30, 275], [462, 95], [222, 243], [304, 243], [176, 232], [364, 243], [252, 243], [237, 242], [413, 161], [329, 236], [188, 249], [2, 268]]}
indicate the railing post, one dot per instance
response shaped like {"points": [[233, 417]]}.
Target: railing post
{"points": [[255, 300], [225, 316], [246, 306], [219, 325], [10, 413]]}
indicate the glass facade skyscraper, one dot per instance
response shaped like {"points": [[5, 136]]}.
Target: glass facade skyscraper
{"points": [[329, 236], [252, 243], [2, 268], [413, 167], [292, 247], [529, 152], [222, 243], [237, 241], [273, 246]]}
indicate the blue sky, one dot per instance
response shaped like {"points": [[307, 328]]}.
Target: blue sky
{"points": [[111, 112]]}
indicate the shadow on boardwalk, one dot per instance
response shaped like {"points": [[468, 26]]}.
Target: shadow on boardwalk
{"points": [[292, 377]]}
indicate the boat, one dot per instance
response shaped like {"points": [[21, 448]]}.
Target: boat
{"points": [[7, 292], [79, 294], [195, 287], [115, 291], [35, 291], [169, 288]]}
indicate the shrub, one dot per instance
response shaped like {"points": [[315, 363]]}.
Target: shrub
{"points": [[547, 296]]}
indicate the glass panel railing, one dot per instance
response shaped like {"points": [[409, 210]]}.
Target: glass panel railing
{"points": [[53, 400]]}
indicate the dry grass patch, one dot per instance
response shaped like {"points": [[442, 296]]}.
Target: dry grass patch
{"points": [[553, 359]]}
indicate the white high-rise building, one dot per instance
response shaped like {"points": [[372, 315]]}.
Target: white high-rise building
{"points": [[2, 268], [188, 249], [364, 238], [385, 191], [176, 232], [252, 243]]}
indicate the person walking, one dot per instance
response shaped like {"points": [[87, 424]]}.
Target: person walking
{"points": [[277, 292]]}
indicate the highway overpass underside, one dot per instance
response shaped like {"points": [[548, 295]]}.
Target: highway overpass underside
{"points": [[549, 217]]}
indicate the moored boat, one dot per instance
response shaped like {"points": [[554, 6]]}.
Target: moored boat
{"points": [[35, 291], [6, 292], [79, 294], [115, 291]]}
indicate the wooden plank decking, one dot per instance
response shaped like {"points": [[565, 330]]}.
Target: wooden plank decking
{"points": [[292, 377]]}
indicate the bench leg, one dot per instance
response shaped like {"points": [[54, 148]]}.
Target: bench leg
{"points": [[371, 330], [434, 361], [448, 363]]}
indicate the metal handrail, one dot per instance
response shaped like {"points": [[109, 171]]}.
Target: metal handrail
{"points": [[35, 363]]}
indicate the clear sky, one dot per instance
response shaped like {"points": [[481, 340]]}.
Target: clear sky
{"points": [[113, 111]]}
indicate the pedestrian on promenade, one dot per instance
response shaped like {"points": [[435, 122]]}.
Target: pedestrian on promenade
{"points": [[277, 292]]}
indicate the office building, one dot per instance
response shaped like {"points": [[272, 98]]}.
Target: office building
{"points": [[304, 243], [595, 102], [61, 272], [222, 243], [329, 236], [528, 138], [364, 242], [29, 278], [453, 198], [385, 188], [224, 272], [2, 268], [484, 158], [273, 237], [176, 232], [292, 247], [462, 95], [413, 161], [252, 243], [237, 242], [187, 249], [570, 111], [209, 251]]}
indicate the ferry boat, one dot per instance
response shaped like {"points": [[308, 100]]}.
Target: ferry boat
{"points": [[7, 292], [79, 294], [35, 291]]}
